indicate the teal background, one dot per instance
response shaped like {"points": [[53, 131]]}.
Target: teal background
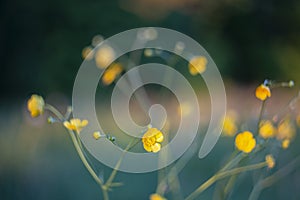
{"points": [[40, 52]]}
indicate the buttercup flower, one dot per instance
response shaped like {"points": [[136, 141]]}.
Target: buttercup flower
{"points": [[270, 161], [35, 105], [96, 135], [285, 143], [245, 142], [262, 92], [286, 130], [156, 197], [104, 56], [76, 124], [111, 73], [229, 124], [266, 129], [152, 139], [197, 65]]}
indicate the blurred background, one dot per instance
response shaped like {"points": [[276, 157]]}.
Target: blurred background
{"points": [[41, 44]]}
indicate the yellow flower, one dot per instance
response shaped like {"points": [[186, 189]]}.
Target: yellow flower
{"points": [[197, 65], [286, 130], [229, 124], [76, 124], [104, 56], [270, 161], [35, 105], [245, 142], [156, 197], [152, 139], [266, 129], [263, 92], [96, 135], [111, 73], [87, 53], [285, 143], [298, 120]]}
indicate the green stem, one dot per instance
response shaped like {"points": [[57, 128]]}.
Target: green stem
{"points": [[288, 106], [55, 112], [222, 175], [260, 115], [116, 168], [233, 161], [270, 180], [229, 185], [80, 153], [174, 183], [87, 165]]}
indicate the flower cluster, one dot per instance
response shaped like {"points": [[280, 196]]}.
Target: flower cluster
{"points": [[247, 143]]}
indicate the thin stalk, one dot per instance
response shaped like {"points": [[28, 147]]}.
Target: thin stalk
{"points": [[88, 166], [162, 177], [262, 109], [222, 175], [79, 151], [233, 161], [270, 180], [116, 168], [55, 112], [229, 185]]}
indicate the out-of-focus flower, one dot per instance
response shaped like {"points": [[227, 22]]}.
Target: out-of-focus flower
{"points": [[76, 124], [35, 105], [285, 143], [229, 124], [111, 73], [179, 47], [147, 34], [152, 139], [291, 83], [148, 52], [104, 56], [266, 129], [270, 161], [184, 109], [87, 53], [197, 65], [156, 197], [97, 39], [262, 92], [96, 135], [245, 142], [286, 130], [298, 120]]}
